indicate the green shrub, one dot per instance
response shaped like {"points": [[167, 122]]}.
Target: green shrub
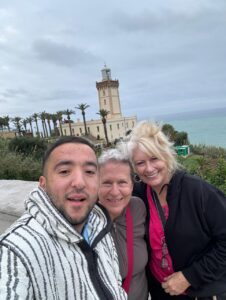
{"points": [[28, 146], [181, 138], [218, 175], [3, 144], [209, 151], [16, 166], [211, 170]]}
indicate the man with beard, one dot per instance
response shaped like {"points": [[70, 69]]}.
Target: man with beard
{"points": [[61, 247]]}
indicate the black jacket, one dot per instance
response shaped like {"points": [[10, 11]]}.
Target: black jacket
{"points": [[195, 232]]}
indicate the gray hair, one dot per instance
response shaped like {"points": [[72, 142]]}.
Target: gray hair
{"points": [[115, 156]]}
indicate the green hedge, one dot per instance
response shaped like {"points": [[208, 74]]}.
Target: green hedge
{"points": [[25, 146], [16, 166]]}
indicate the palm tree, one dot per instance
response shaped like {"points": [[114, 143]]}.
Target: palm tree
{"points": [[103, 114], [54, 120], [48, 119], [68, 113], [2, 123], [35, 117], [42, 116], [17, 123], [6, 121], [29, 121], [24, 121], [59, 115], [83, 107]]}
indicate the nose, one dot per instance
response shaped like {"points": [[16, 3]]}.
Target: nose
{"points": [[115, 190], [149, 166], [77, 180]]}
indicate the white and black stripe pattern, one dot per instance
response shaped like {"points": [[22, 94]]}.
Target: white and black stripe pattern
{"points": [[41, 257]]}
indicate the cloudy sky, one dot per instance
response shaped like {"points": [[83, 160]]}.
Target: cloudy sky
{"points": [[169, 56]]}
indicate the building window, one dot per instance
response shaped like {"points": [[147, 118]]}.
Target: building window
{"points": [[73, 131], [118, 126], [65, 132], [98, 129], [133, 124], [110, 127], [104, 101], [80, 129], [103, 92], [88, 129]]}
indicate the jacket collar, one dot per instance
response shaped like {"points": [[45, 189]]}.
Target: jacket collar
{"points": [[42, 209], [174, 186]]}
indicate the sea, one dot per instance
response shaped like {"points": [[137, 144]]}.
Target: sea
{"points": [[207, 127]]}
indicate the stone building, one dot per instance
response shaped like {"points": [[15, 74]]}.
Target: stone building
{"points": [[117, 124]]}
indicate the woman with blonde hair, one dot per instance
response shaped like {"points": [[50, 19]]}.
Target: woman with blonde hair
{"points": [[186, 221]]}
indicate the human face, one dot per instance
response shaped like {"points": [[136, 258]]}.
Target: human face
{"points": [[71, 181], [115, 187], [151, 170]]}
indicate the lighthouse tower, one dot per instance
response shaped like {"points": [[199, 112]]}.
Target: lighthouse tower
{"points": [[117, 125], [108, 94]]}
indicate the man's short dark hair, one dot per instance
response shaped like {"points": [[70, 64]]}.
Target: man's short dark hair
{"points": [[62, 141]]}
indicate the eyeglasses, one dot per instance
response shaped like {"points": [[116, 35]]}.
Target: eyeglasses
{"points": [[164, 261]]}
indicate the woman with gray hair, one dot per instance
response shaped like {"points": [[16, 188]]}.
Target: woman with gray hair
{"points": [[128, 215], [186, 221]]}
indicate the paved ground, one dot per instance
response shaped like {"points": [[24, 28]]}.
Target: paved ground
{"points": [[12, 196], [5, 221]]}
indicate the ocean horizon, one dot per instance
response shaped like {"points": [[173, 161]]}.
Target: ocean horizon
{"points": [[206, 127]]}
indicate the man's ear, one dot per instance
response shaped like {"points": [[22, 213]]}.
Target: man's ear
{"points": [[42, 182]]}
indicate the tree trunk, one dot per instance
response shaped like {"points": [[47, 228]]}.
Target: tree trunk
{"points": [[84, 121], [105, 132]]}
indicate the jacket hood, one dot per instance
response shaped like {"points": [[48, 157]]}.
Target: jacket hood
{"points": [[42, 209]]}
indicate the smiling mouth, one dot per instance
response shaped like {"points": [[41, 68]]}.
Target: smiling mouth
{"points": [[152, 175], [114, 200]]}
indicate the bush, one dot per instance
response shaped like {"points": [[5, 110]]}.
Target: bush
{"points": [[211, 170], [217, 175], [3, 144], [16, 166], [28, 146], [181, 138], [209, 151]]}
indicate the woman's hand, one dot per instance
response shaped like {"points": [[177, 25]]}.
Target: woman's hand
{"points": [[175, 284]]}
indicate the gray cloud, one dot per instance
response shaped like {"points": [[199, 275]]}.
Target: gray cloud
{"points": [[170, 18], [61, 54], [64, 94], [13, 93]]}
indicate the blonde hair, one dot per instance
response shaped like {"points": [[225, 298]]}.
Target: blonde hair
{"points": [[149, 138]]}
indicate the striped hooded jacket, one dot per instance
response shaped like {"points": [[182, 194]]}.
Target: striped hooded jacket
{"points": [[42, 257]]}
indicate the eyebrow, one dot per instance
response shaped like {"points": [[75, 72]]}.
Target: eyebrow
{"points": [[70, 162]]}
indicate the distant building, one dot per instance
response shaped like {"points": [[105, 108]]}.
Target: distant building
{"points": [[117, 125], [182, 150]]}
